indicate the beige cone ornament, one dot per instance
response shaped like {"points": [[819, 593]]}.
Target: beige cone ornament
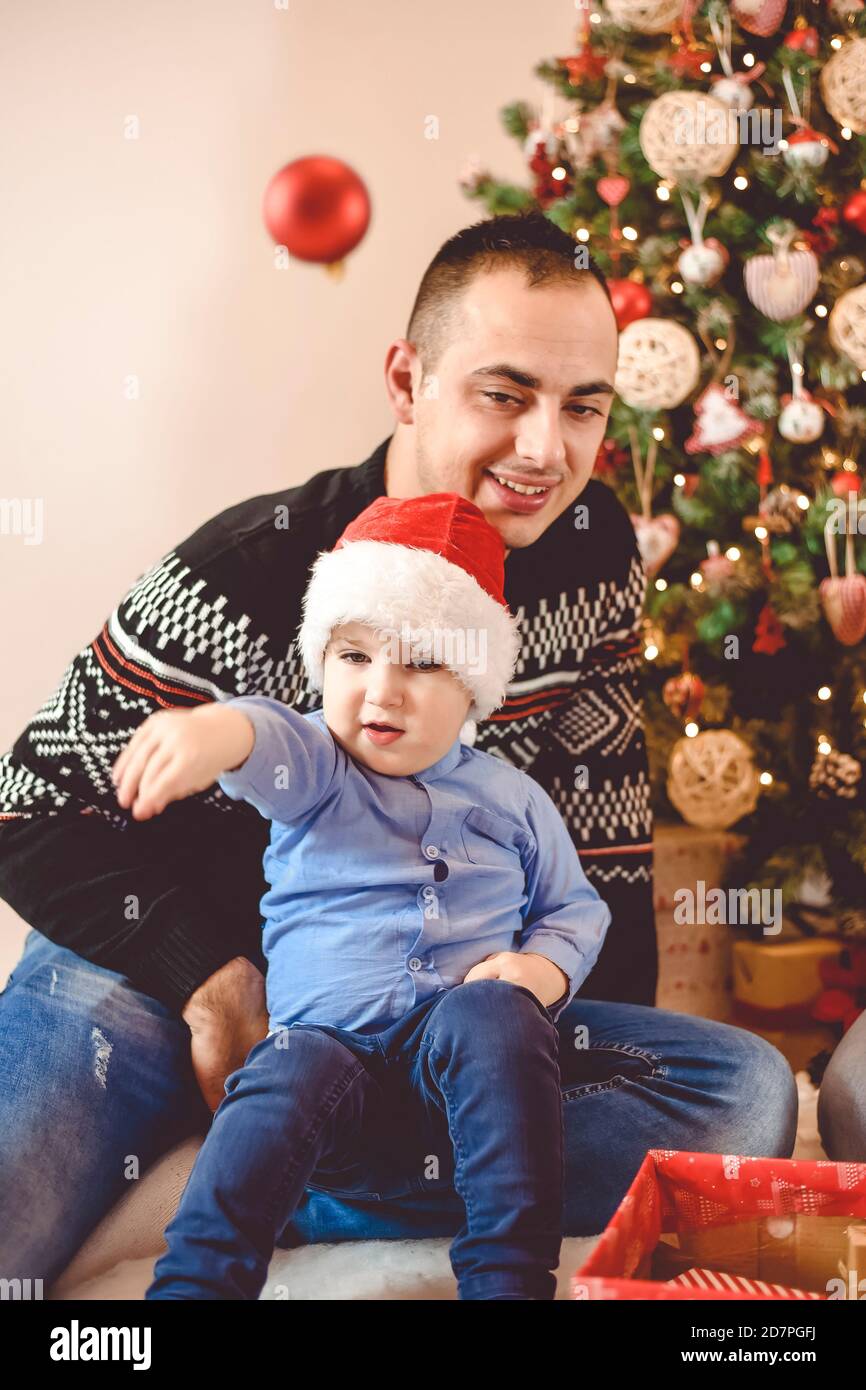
{"points": [[843, 598], [846, 326], [658, 366], [688, 135], [712, 779]]}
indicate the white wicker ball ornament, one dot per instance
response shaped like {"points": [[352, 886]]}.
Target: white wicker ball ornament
{"points": [[701, 265], [846, 326], [712, 779], [645, 16], [843, 86], [658, 366], [688, 135]]}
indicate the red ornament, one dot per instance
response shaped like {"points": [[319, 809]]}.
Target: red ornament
{"points": [[612, 189], [630, 300], [803, 41], [686, 62], [609, 459], [844, 482], [769, 636], [318, 208], [684, 695], [584, 67], [854, 211]]}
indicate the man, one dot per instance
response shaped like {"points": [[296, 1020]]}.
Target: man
{"points": [[140, 988]]}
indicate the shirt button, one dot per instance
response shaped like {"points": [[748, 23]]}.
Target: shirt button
{"points": [[431, 851], [415, 963]]}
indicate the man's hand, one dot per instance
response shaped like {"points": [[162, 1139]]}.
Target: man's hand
{"points": [[176, 753], [545, 980], [227, 1016]]}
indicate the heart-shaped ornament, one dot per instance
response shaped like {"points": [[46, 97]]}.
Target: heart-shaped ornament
{"points": [[612, 189], [657, 538], [844, 604]]}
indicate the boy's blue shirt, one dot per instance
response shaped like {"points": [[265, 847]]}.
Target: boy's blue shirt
{"points": [[385, 890]]}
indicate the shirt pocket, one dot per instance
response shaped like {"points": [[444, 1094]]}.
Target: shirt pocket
{"points": [[492, 840]]}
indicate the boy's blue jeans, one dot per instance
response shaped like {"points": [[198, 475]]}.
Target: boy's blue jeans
{"points": [[96, 1074], [462, 1093]]}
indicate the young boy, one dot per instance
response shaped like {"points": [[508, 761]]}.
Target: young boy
{"points": [[427, 921]]}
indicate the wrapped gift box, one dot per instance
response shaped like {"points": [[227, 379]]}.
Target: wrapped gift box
{"points": [[779, 1221]]}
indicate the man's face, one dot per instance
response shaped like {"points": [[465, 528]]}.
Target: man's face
{"points": [[522, 392]]}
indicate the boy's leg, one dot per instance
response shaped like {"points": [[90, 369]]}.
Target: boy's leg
{"points": [[487, 1063], [296, 1104], [97, 1083], [633, 1078]]}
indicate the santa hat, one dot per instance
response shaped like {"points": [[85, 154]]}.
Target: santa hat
{"points": [[431, 571]]}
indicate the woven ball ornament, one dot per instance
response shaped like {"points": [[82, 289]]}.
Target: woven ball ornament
{"points": [[846, 326], [688, 135], [843, 86], [658, 365], [712, 779], [801, 421], [781, 286], [645, 16]]}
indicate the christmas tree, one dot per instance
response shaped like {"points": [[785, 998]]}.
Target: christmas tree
{"points": [[712, 158]]}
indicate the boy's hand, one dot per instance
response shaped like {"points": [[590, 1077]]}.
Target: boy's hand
{"points": [[546, 981], [176, 753]]}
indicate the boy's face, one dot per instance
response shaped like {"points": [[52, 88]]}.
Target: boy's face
{"points": [[367, 682]]}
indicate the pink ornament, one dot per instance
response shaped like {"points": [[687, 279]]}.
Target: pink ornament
{"points": [[612, 189], [719, 423], [780, 286], [657, 538], [843, 598], [761, 17]]}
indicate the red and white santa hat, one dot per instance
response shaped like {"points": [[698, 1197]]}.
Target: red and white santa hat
{"points": [[429, 572]]}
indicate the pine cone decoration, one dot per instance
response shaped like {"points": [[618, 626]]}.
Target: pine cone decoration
{"points": [[780, 507], [835, 774]]}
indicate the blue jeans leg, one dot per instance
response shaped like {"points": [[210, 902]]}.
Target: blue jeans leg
{"points": [[632, 1078], [97, 1084], [298, 1099], [488, 1059], [842, 1098]]}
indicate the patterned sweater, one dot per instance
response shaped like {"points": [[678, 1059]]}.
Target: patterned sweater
{"points": [[218, 617]]}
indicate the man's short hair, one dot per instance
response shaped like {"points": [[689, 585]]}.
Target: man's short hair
{"points": [[527, 241]]}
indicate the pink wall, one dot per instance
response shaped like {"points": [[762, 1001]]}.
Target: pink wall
{"points": [[148, 258]]}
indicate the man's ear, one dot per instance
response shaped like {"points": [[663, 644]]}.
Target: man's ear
{"points": [[402, 379]]}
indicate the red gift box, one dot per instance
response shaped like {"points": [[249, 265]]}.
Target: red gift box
{"points": [[781, 1221]]}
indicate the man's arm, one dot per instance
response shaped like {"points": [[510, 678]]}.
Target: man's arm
{"points": [[165, 904]]}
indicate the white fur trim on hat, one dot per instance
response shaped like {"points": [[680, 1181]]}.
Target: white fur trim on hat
{"points": [[417, 597]]}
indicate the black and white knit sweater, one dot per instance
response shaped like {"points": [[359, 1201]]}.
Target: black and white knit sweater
{"points": [[218, 617]]}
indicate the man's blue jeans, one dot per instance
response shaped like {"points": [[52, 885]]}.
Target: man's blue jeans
{"points": [[461, 1094], [95, 1074]]}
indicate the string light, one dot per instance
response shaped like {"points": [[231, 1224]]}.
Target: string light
{"points": [[733, 553], [783, 144], [558, 172], [696, 580], [823, 745], [662, 584], [846, 132], [721, 343], [663, 193], [821, 310], [706, 67], [658, 432], [629, 233], [651, 652], [836, 42], [824, 693], [629, 77], [741, 181], [761, 533], [677, 288], [748, 60], [582, 234], [679, 479], [850, 465], [803, 502], [766, 779], [691, 729]]}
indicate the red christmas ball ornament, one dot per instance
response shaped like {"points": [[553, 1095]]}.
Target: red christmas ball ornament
{"points": [[684, 695], [630, 300], [854, 211], [806, 40], [844, 482], [318, 208]]}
